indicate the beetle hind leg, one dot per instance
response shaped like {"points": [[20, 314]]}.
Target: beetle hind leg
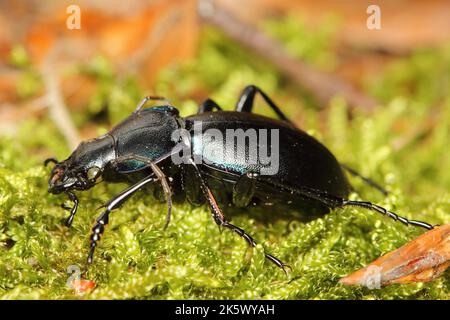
{"points": [[334, 202], [366, 180], [390, 214]]}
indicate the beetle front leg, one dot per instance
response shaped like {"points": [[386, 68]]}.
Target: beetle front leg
{"points": [[73, 210], [97, 233], [114, 203], [160, 176]]}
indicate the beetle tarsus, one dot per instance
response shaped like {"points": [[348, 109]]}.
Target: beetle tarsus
{"points": [[279, 263], [390, 214], [69, 220], [90, 257], [97, 233], [241, 232]]}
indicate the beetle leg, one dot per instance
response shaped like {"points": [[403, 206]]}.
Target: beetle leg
{"points": [[73, 210], [333, 202], [148, 98], [115, 203], [208, 105], [159, 174], [368, 181], [390, 214], [220, 220], [166, 188], [191, 186], [246, 99], [336, 202]]}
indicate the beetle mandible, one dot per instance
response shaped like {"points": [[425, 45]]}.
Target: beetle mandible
{"points": [[142, 148]]}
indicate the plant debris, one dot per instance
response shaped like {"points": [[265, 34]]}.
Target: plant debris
{"points": [[420, 260]]}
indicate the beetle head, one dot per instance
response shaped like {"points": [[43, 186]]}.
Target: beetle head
{"points": [[83, 168]]}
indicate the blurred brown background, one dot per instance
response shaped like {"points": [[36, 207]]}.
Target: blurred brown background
{"points": [[142, 37]]}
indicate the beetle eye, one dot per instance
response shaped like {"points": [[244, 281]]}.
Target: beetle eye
{"points": [[93, 173]]}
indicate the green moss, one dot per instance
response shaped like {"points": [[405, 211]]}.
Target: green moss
{"points": [[313, 45], [424, 77], [192, 259]]}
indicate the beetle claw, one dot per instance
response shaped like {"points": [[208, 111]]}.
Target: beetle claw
{"points": [[90, 257], [278, 263], [286, 266]]}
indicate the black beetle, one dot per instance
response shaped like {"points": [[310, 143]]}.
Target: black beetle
{"points": [[142, 149]]}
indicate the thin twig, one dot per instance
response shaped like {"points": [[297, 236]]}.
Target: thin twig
{"points": [[322, 85], [58, 110]]}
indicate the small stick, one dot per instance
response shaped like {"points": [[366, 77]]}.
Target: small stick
{"points": [[322, 85], [58, 110], [420, 260]]}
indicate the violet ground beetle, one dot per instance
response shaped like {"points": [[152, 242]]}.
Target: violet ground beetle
{"points": [[140, 149]]}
